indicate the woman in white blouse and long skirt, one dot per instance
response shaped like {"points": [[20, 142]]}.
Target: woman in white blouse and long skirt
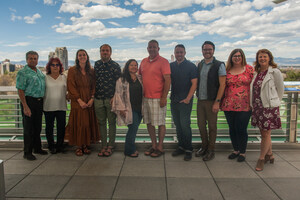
{"points": [[55, 104]]}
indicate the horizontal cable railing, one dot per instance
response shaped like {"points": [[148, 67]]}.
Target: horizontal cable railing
{"points": [[11, 123]]}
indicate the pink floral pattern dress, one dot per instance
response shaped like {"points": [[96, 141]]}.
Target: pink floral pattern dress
{"points": [[263, 118]]}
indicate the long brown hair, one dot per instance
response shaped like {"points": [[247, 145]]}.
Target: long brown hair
{"points": [[229, 63], [126, 75], [271, 62]]}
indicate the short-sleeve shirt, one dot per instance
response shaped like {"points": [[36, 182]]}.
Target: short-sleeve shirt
{"points": [[106, 76], [237, 91], [203, 78], [33, 83], [181, 76], [153, 76]]}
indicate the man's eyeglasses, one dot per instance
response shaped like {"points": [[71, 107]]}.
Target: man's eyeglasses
{"points": [[55, 65]]}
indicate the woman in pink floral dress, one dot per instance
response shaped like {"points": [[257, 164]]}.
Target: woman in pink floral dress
{"points": [[266, 93], [236, 102]]}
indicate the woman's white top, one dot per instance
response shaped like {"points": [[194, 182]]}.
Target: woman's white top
{"points": [[55, 94]]}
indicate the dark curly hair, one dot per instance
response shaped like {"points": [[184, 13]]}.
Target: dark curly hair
{"points": [[48, 66]]}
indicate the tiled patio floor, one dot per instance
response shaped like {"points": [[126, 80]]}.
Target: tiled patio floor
{"points": [[66, 176]]}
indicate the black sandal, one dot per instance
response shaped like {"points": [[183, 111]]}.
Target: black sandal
{"points": [[149, 151], [157, 153]]}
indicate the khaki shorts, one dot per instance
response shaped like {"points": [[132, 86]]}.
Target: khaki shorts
{"points": [[153, 113]]}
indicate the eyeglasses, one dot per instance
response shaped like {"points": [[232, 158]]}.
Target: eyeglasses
{"points": [[55, 65], [237, 56]]}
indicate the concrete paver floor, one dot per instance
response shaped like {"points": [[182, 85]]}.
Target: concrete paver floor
{"points": [[66, 176]]}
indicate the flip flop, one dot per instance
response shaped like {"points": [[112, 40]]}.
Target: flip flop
{"points": [[157, 153], [149, 151]]}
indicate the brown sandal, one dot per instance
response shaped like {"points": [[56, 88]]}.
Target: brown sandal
{"points": [[78, 152], [101, 153], [85, 150], [269, 158], [109, 151]]}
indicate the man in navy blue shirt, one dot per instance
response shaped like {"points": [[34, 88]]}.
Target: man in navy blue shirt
{"points": [[184, 84]]}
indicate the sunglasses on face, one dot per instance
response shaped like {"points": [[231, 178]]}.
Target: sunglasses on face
{"points": [[55, 65]]}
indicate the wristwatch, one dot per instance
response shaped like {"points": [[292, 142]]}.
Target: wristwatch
{"points": [[218, 100]]}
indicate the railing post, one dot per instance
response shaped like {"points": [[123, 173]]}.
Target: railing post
{"points": [[293, 118], [17, 113], [2, 184], [288, 115]]}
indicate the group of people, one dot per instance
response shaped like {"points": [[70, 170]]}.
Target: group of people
{"points": [[105, 94]]}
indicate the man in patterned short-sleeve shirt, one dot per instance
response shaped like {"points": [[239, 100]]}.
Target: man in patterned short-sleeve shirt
{"points": [[31, 90], [107, 73]]}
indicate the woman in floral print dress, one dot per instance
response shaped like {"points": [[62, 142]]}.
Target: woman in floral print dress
{"points": [[266, 93]]}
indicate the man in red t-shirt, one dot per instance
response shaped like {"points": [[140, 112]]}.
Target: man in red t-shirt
{"points": [[155, 71]]}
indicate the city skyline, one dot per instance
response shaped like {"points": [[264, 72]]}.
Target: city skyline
{"points": [[43, 25]]}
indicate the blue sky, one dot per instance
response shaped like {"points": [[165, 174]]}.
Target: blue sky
{"points": [[128, 25]]}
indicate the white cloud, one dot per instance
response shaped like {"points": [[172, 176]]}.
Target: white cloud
{"points": [[71, 7], [14, 17], [172, 44], [18, 44], [13, 10], [259, 4], [104, 12], [83, 28], [139, 34], [148, 18], [127, 3], [159, 5], [31, 19], [48, 2], [115, 23], [249, 24], [206, 3]]}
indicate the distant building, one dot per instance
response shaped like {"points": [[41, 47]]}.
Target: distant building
{"points": [[62, 54], [6, 66], [51, 55]]}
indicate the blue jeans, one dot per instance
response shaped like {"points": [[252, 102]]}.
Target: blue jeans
{"points": [[238, 122], [130, 147], [181, 114]]}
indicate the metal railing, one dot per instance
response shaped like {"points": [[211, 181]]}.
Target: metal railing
{"points": [[11, 123]]}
